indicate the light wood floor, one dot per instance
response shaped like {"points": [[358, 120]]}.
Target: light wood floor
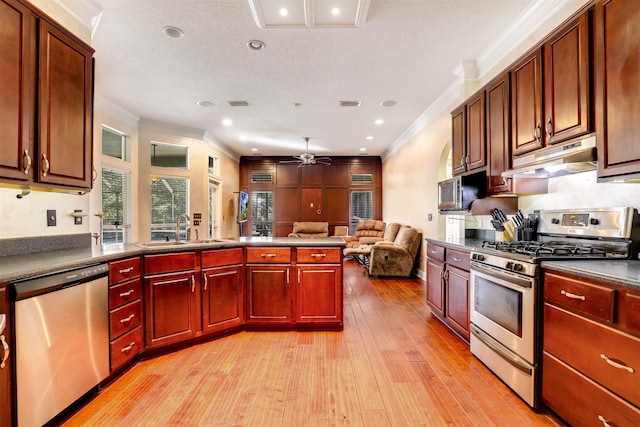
{"points": [[393, 365]]}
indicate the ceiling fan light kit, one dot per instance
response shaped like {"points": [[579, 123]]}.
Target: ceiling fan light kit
{"points": [[307, 158]]}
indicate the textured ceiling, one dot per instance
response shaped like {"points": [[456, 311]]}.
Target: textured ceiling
{"points": [[405, 51]]}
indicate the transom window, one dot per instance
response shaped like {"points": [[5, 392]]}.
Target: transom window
{"points": [[169, 155]]}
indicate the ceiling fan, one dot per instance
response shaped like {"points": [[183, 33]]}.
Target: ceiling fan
{"points": [[308, 158]]}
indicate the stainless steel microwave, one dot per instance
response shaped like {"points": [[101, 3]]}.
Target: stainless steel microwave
{"points": [[457, 193]]}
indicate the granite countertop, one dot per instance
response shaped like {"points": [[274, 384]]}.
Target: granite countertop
{"points": [[18, 267], [460, 243], [620, 272]]}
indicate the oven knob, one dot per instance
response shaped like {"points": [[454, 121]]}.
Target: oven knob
{"points": [[555, 221], [517, 267], [594, 221], [478, 257], [509, 265]]}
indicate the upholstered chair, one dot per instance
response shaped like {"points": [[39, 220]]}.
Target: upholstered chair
{"points": [[313, 229], [395, 258], [367, 233]]}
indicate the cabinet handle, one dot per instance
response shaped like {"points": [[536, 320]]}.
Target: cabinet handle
{"points": [[205, 280], [536, 133], [604, 421], [45, 164], [616, 364], [287, 276], [193, 283], [26, 162], [318, 255], [298, 276], [456, 259], [466, 160], [268, 255], [549, 127], [573, 296], [126, 294], [126, 270], [128, 348], [127, 320], [5, 352]]}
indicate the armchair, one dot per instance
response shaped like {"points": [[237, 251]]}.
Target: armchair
{"points": [[310, 229], [367, 233], [395, 258]]}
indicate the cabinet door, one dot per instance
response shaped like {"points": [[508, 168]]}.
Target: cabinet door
{"points": [[170, 308], [319, 298], [617, 87], [268, 294], [498, 134], [5, 351], [475, 144], [457, 297], [64, 109], [526, 104], [566, 83], [16, 86], [458, 139], [222, 302], [435, 287]]}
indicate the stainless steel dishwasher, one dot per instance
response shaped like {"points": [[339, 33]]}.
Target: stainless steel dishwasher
{"points": [[62, 340]]}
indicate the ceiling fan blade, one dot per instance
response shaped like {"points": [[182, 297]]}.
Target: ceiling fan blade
{"points": [[326, 159], [290, 161]]}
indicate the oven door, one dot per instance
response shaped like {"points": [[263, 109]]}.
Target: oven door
{"points": [[503, 307]]}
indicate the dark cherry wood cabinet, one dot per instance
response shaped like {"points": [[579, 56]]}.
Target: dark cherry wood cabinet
{"points": [[17, 90], [617, 88], [5, 360], [497, 116], [591, 351], [526, 104], [269, 290], [47, 101], [435, 279], [222, 290], [475, 156], [125, 311], [459, 139], [567, 77], [319, 287], [171, 314]]}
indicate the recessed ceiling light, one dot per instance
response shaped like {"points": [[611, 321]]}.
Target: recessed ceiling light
{"points": [[256, 44], [379, 121], [174, 32], [335, 11], [227, 122], [363, 149], [369, 138], [389, 103], [254, 149], [284, 12], [206, 104]]}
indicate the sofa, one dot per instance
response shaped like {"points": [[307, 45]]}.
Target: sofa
{"points": [[395, 257], [312, 229], [367, 233]]}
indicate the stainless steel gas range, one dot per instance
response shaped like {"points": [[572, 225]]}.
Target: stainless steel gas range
{"points": [[506, 289]]}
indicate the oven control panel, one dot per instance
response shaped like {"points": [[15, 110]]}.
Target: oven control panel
{"points": [[600, 222]]}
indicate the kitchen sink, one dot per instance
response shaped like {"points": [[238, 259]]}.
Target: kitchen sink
{"points": [[160, 244], [196, 242]]}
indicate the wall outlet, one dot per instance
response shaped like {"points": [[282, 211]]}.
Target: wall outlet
{"points": [[77, 220], [52, 218], [430, 217]]}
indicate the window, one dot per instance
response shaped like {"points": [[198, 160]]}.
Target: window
{"points": [[361, 207], [169, 199], [212, 210], [114, 144], [262, 213], [213, 165], [116, 209], [169, 156]]}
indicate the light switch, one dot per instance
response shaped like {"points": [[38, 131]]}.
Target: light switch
{"points": [[51, 218]]}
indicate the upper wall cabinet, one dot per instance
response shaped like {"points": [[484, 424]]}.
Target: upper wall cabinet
{"points": [[468, 135], [60, 117], [617, 61], [458, 139], [566, 85], [497, 133]]}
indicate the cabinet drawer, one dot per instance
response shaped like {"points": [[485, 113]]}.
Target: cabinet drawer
{"points": [[126, 269], [124, 293], [268, 255], [632, 308], [125, 348], [458, 258], [319, 255], [580, 401], [609, 357], [163, 263], [585, 298], [125, 318], [221, 257], [435, 252]]}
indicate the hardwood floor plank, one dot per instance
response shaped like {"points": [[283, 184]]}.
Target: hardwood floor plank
{"points": [[365, 379]]}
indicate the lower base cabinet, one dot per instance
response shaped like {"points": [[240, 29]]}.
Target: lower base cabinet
{"points": [[5, 359], [268, 295], [457, 297], [319, 299], [222, 290]]}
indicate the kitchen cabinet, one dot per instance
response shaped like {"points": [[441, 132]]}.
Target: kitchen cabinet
{"points": [[468, 137], [170, 298], [447, 287], [5, 360], [498, 134], [222, 290], [48, 136], [269, 291], [526, 104], [617, 88], [591, 351], [125, 311], [319, 287]]}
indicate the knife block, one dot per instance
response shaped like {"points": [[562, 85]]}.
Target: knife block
{"points": [[509, 231]]}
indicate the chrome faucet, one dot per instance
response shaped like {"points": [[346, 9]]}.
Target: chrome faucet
{"points": [[185, 216]]}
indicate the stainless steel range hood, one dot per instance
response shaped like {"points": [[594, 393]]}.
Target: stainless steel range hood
{"points": [[572, 157]]}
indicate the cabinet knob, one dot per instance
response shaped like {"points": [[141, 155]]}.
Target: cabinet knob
{"points": [[26, 162]]}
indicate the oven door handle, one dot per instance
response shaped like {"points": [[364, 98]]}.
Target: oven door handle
{"points": [[500, 274], [494, 345]]}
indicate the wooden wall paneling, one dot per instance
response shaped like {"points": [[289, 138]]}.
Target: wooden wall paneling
{"points": [[336, 207], [288, 175], [311, 176], [286, 210], [311, 206], [336, 175]]}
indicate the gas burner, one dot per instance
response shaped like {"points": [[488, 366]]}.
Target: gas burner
{"points": [[554, 249]]}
